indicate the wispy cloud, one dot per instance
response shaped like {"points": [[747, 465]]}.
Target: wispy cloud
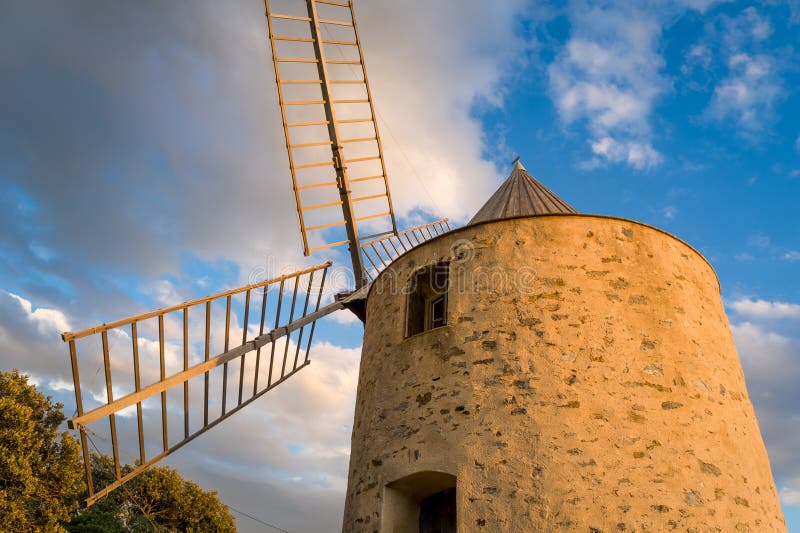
{"points": [[751, 87], [747, 96], [790, 495], [770, 362], [608, 77], [759, 241], [792, 255], [670, 212], [764, 309]]}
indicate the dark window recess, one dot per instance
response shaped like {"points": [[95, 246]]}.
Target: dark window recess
{"points": [[437, 512], [427, 299]]}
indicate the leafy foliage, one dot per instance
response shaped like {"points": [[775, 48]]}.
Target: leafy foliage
{"points": [[41, 479], [159, 500], [40, 471]]}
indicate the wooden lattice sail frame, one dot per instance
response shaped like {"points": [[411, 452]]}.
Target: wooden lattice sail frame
{"points": [[306, 293], [326, 111]]}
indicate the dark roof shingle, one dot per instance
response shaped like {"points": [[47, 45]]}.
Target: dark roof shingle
{"points": [[520, 195]]}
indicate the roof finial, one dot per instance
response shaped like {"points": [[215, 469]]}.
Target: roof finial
{"points": [[517, 164]]}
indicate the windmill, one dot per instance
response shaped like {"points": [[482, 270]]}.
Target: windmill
{"points": [[341, 190], [539, 369]]}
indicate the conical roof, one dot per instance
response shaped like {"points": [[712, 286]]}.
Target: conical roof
{"points": [[520, 195]]}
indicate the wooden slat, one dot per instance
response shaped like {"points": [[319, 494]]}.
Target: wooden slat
{"points": [[371, 197], [311, 123], [315, 165], [300, 82], [185, 367], [225, 365], [289, 17], [68, 336], [308, 145], [245, 323], [333, 3], [329, 245], [137, 387], [359, 140], [295, 39], [277, 321], [324, 226], [305, 102], [367, 178], [369, 217], [343, 43], [317, 185], [110, 396], [335, 22], [321, 206], [291, 317], [76, 382], [260, 332], [163, 373], [353, 120], [362, 159], [207, 353], [297, 60]]}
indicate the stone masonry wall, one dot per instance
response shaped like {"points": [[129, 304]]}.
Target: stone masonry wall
{"points": [[587, 380]]}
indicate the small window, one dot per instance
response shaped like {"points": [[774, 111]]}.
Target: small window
{"points": [[427, 299]]}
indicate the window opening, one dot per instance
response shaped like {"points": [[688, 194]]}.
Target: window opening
{"points": [[427, 299]]}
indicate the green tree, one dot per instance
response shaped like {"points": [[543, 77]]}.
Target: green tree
{"points": [[159, 500], [40, 471], [41, 479]]}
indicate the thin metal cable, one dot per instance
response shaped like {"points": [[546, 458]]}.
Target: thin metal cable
{"points": [[251, 517]]}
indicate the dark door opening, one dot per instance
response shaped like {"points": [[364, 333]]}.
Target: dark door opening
{"points": [[437, 512]]}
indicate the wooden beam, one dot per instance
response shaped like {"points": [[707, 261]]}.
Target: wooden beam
{"points": [[68, 336], [200, 368]]}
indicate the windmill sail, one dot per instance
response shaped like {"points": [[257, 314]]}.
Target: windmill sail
{"points": [[184, 338], [335, 154], [380, 252]]}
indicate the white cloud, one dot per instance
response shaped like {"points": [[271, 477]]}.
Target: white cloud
{"points": [[770, 363], [790, 496], [759, 241], [766, 310], [700, 55], [747, 27], [749, 94], [669, 212], [608, 76], [636, 154], [792, 255], [47, 321]]}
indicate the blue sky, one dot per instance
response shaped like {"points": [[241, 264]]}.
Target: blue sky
{"points": [[142, 163]]}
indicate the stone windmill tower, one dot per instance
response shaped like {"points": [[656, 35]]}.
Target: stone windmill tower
{"points": [[545, 370]]}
